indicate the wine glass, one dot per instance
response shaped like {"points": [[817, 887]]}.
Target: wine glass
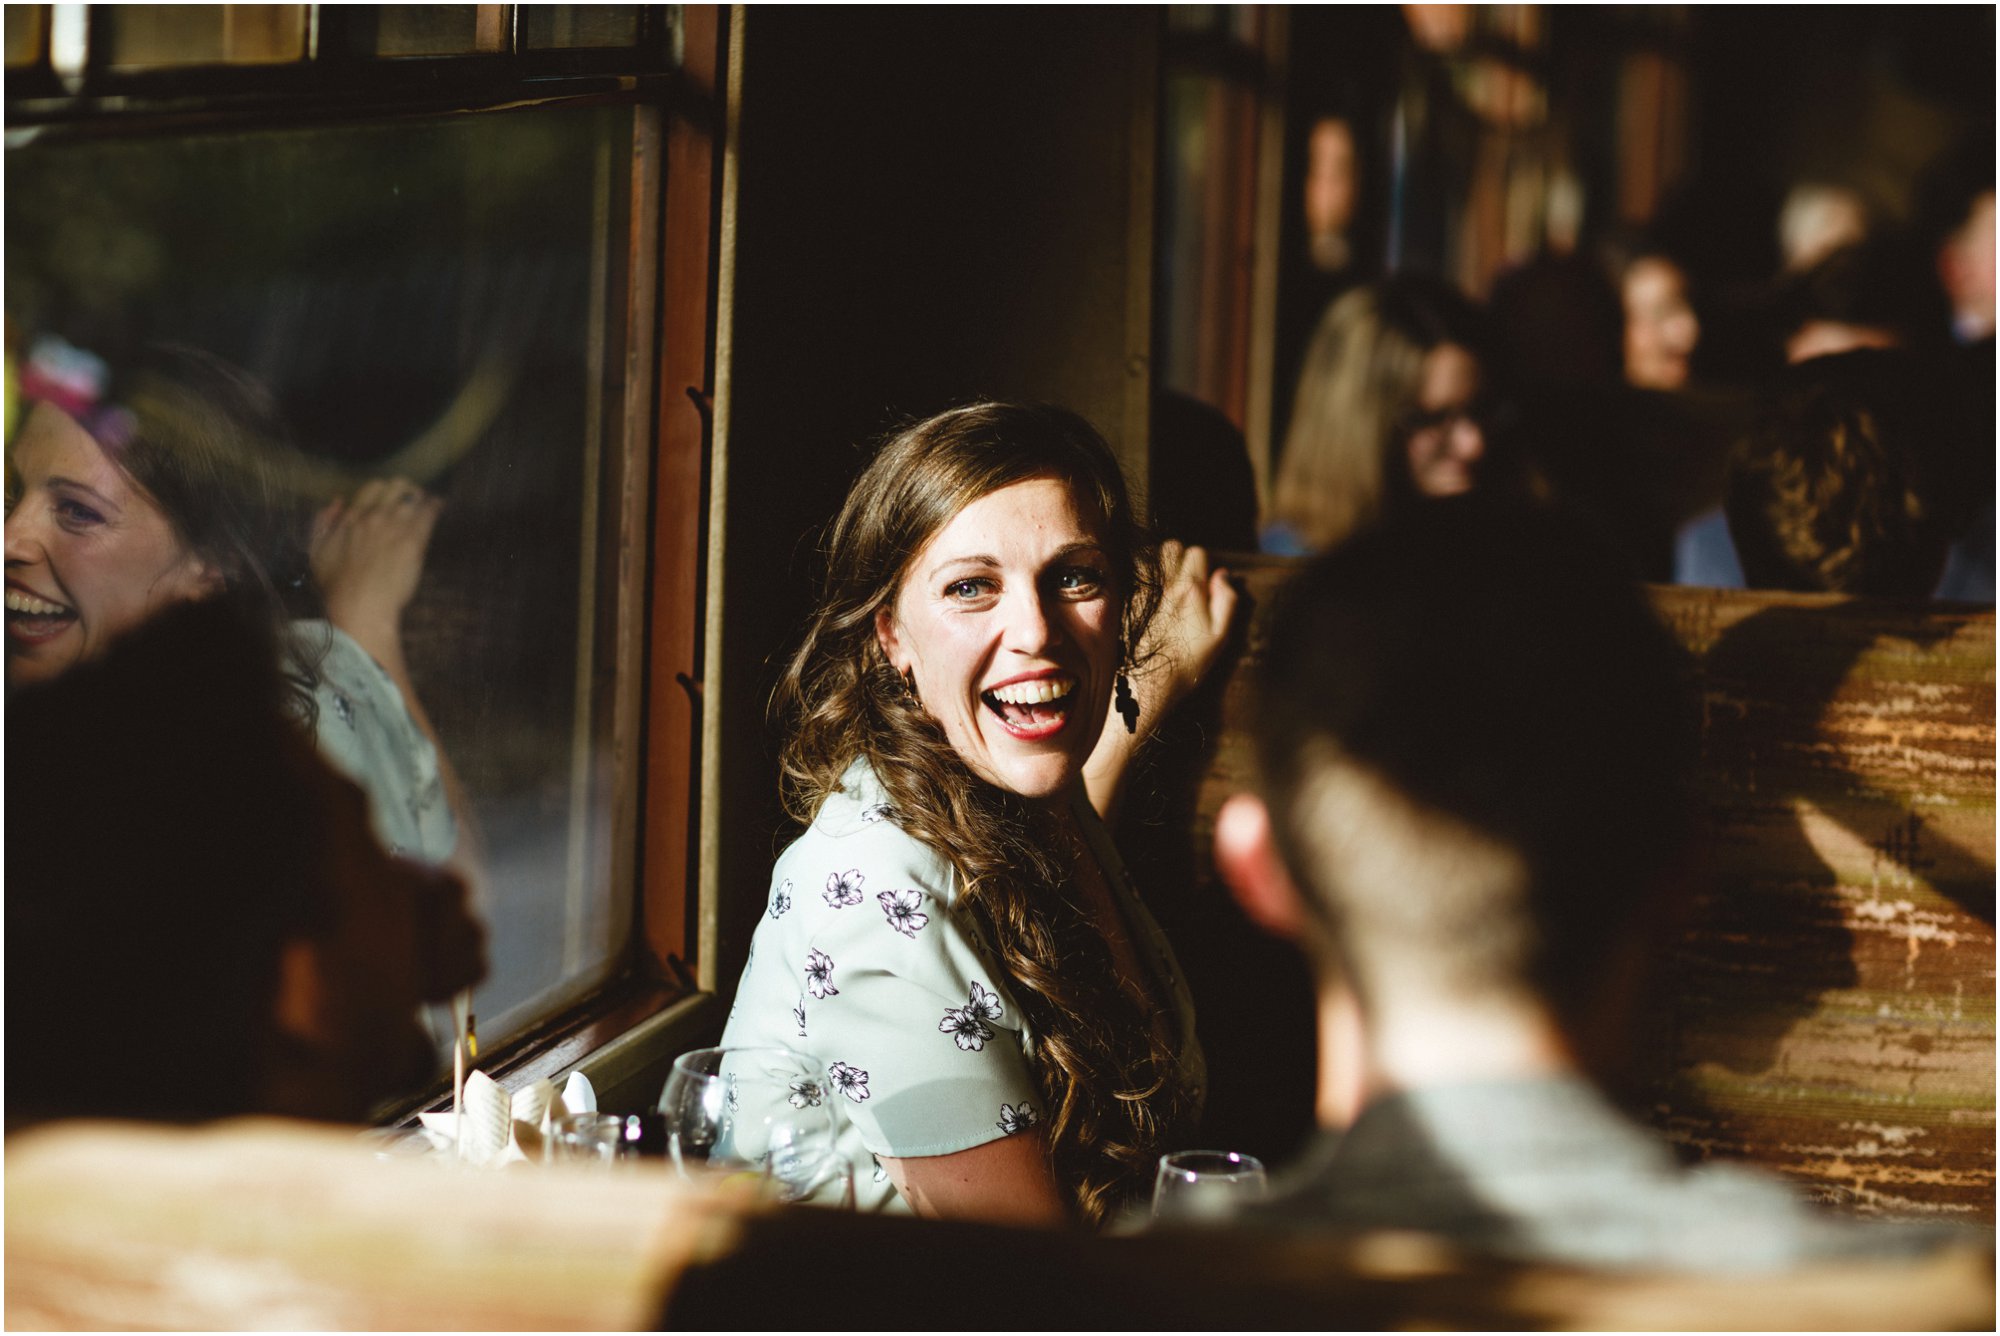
{"points": [[764, 1113], [1193, 1186], [588, 1138]]}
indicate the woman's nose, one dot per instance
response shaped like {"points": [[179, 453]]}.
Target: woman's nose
{"points": [[1030, 629], [24, 541]]}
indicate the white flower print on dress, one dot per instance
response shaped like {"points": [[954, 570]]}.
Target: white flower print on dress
{"points": [[879, 812], [819, 974], [781, 900], [843, 888], [1014, 1119], [967, 1024], [903, 908], [849, 1081], [805, 1095]]}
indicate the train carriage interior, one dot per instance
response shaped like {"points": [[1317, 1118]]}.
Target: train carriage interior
{"points": [[539, 344]]}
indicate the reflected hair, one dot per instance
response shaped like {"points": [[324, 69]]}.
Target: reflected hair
{"points": [[1362, 375], [207, 443], [1112, 1088]]}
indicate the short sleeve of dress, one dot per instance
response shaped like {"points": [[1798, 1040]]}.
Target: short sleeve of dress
{"points": [[860, 963], [365, 730], [923, 1044]]}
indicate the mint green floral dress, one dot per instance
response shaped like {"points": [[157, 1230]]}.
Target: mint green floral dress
{"points": [[365, 729], [859, 963]]}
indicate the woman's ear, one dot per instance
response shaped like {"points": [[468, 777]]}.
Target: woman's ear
{"points": [[209, 578], [195, 576], [1247, 856], [885, 635]]}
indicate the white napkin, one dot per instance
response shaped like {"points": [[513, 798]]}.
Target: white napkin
{"points": [[501, 1129]]}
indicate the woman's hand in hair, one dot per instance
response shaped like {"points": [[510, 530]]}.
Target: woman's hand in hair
{"points": [[1186, 637], [1183, 642], [367, 555]]}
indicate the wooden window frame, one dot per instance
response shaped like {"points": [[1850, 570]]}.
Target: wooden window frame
{"points": [[662, 501], [1240, 351]]}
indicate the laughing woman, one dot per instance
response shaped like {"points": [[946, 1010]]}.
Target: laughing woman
{"points": [[175, 491], [953, 936]]}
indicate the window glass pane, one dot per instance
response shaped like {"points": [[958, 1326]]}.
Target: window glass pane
{"points": [[138, 36], [542, 27], [437, 30], [25, 26], [433, 300]]}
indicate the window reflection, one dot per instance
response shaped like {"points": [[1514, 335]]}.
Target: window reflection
{"points": [[139, 36], [431, 30], [441, 301], [26, 29], [542, 27]]}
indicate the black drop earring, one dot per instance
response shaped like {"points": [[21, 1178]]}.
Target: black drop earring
{"points": [[1122, 699]]}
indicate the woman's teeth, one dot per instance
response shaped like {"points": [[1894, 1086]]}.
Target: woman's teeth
{"points": [[34, 607], [1033, 709], [1037, 692]]}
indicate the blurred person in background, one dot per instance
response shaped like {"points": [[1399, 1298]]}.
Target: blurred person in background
{"points": [[1816, 219], [1872, 294], [1965, 267], [1661, 328], [1390, 410], [1852, 481]]}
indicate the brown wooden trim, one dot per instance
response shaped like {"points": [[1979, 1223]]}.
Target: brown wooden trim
{"points": [[685, 386]]}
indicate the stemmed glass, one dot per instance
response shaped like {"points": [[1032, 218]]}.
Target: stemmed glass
{"points": [[1206, 1185], [761, 1112]]}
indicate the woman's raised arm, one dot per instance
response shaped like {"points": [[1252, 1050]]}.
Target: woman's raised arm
{"points": [[1182, 644]]}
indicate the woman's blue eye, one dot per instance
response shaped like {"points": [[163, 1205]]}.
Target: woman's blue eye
{"points": [[1079, 580], [965, 588], [78, 513]]}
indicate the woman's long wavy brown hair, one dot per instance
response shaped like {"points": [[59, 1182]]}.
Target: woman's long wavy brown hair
{"points": [[1112, 1089]]}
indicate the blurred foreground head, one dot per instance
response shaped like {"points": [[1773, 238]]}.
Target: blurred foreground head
{"points": [[200, 922], [1474, 744]]}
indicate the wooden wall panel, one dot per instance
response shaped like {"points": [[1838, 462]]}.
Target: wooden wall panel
{"points": [[1831, 1004]]}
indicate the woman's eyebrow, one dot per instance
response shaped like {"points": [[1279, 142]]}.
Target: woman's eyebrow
{"points": [[976, 559], [57, 480]]}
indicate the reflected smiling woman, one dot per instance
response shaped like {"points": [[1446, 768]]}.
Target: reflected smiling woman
{"points": [[118, 510], [90, 555]]}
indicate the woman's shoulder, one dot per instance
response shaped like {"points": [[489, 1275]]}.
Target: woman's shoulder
{"points": [[857, 805], [857, 828]]}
